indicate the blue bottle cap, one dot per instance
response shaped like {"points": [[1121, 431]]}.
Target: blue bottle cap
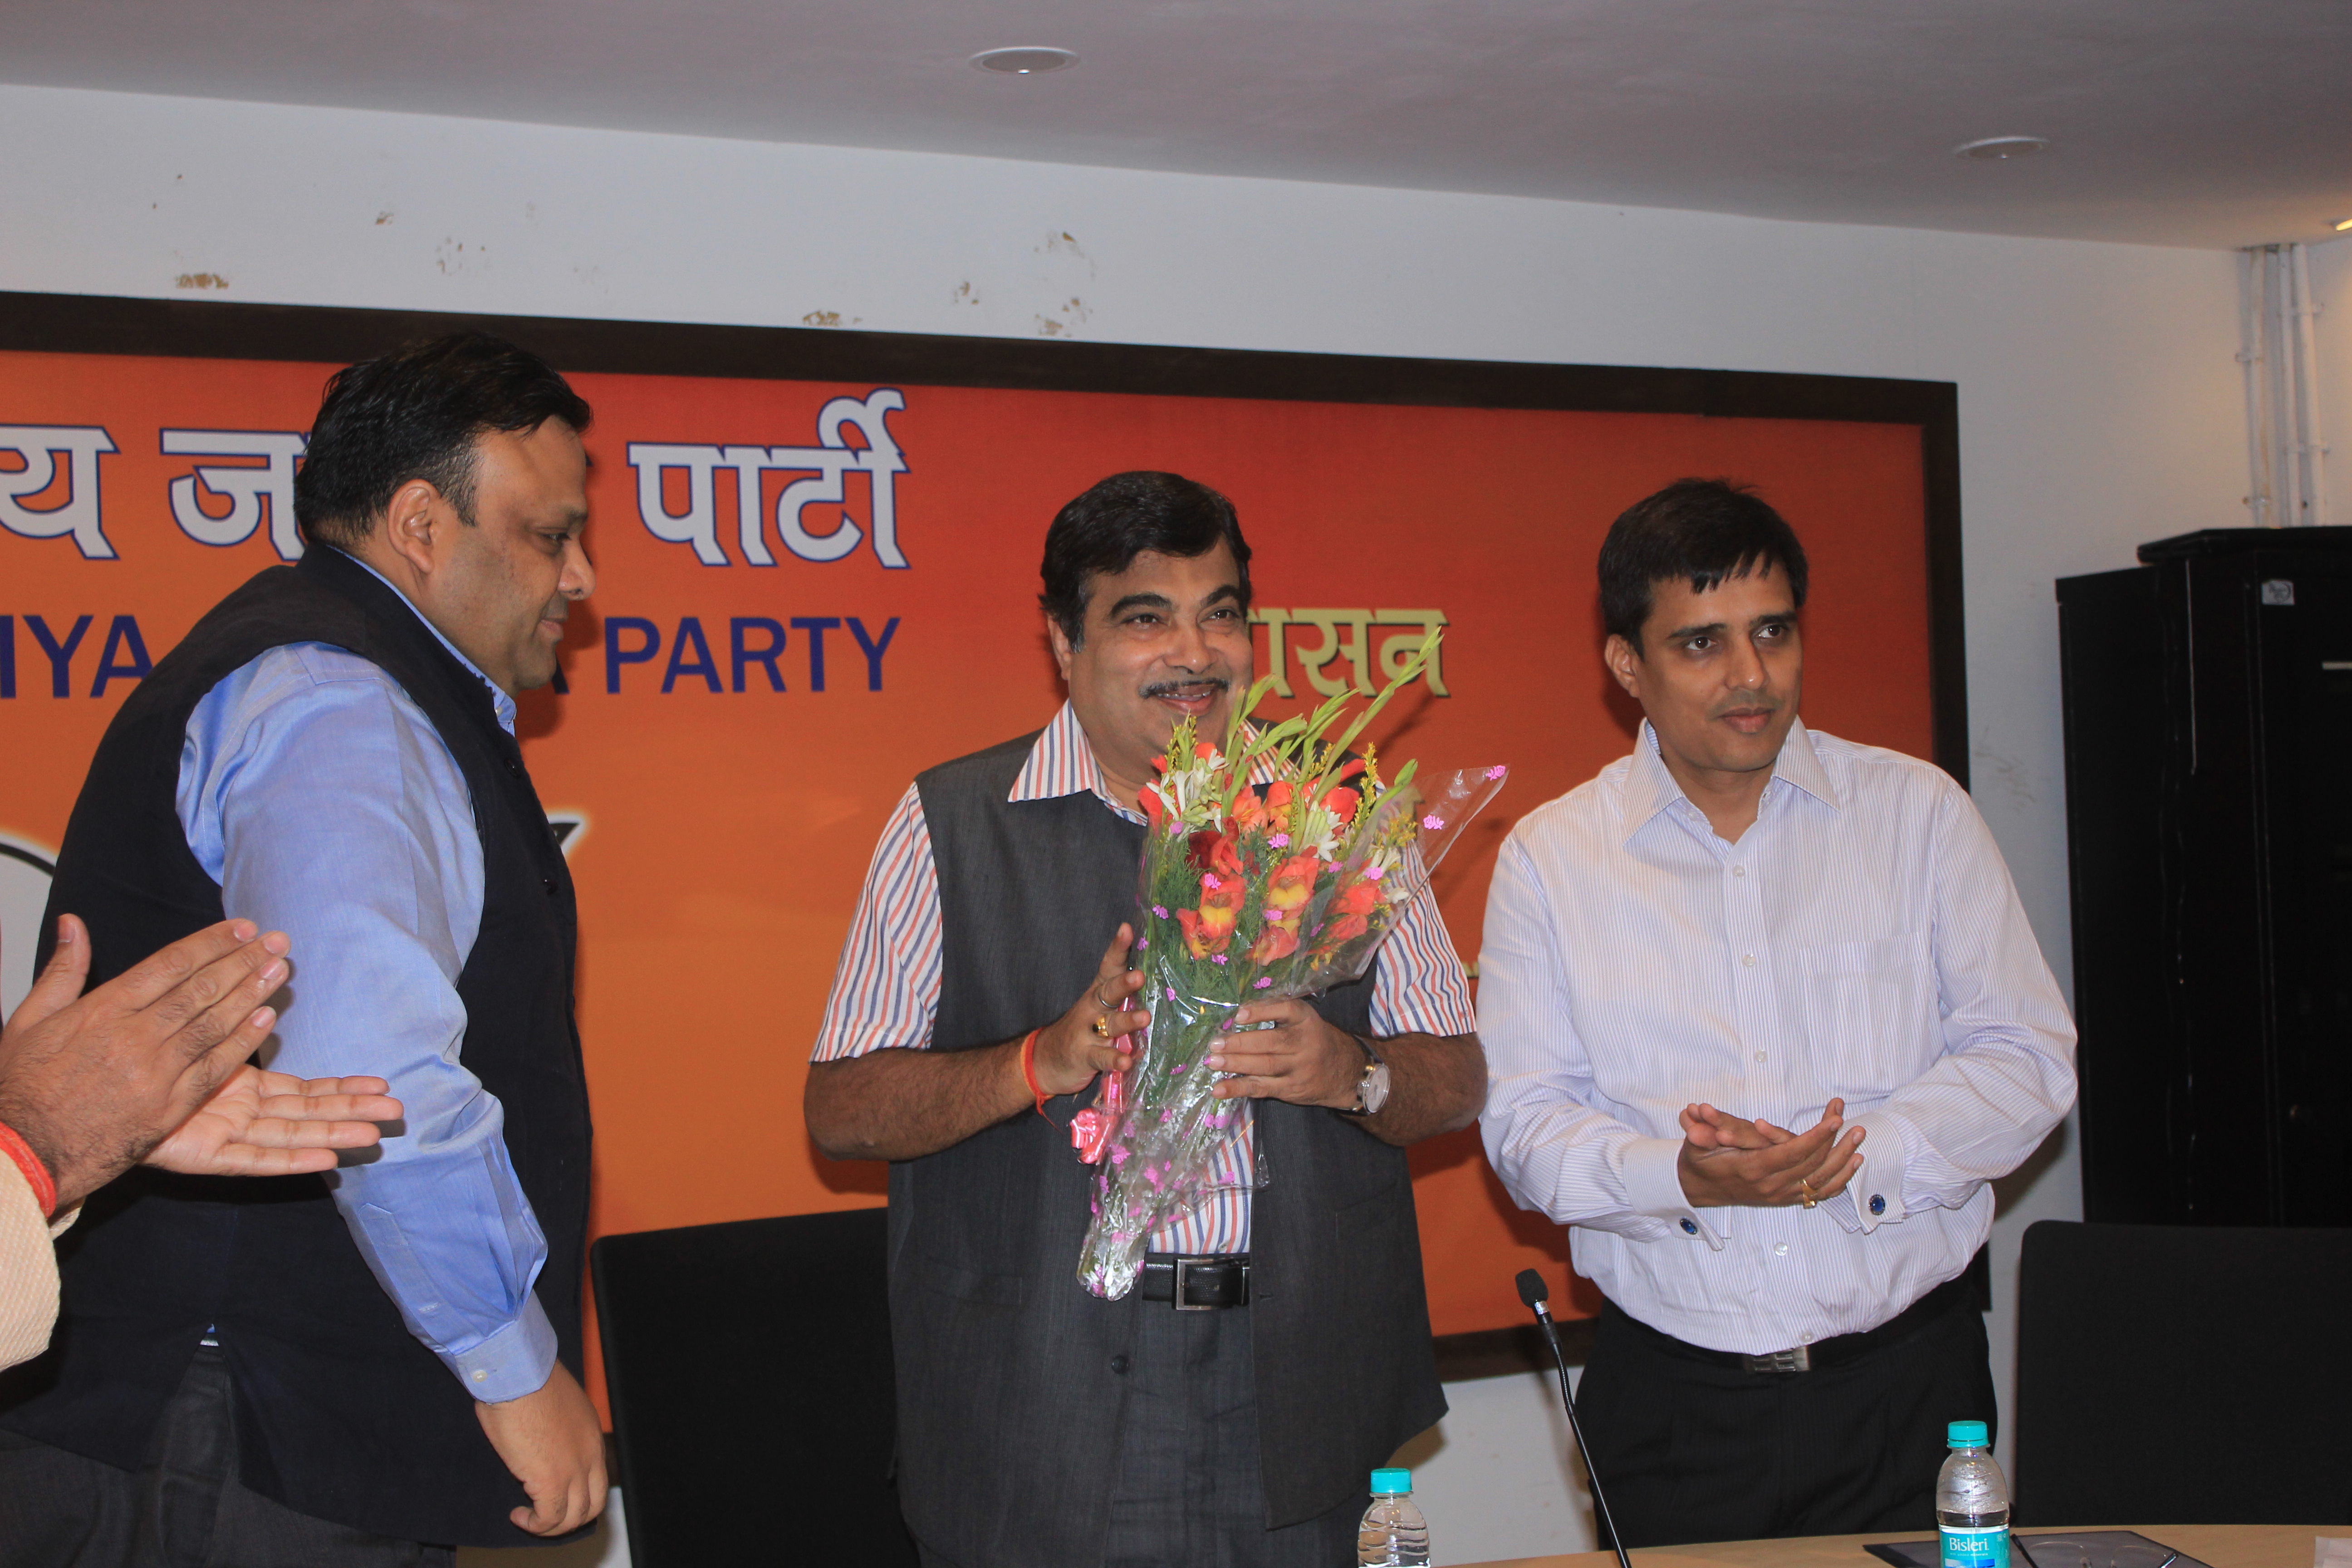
{"points": [[1391, 1483], [1965, 1434]]}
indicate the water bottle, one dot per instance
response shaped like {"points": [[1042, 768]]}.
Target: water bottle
{"points": [[1971, 1502], [1394, 1534]]}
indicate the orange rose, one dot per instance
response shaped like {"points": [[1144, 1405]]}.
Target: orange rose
{"points": [[1274, 942], [1356, 899], [1341, 802], [1292, 884]]}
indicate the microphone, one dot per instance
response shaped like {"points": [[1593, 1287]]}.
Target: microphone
{"points": [[1532, 1292]]}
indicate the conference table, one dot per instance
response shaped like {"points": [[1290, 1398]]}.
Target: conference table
{"points": [[2221, 1545]]}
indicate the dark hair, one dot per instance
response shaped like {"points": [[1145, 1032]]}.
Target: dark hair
{"points": [[1120, 518], [415, 414], [1703, 531]]}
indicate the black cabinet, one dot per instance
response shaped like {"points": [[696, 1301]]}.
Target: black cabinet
{"points": [[2208, 817]]}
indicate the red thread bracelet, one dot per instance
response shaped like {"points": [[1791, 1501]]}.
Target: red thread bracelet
{"points": [[1029, 1069], [36, 1175]]}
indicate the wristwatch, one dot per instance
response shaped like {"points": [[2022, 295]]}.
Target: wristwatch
{"points": [[1372, 1088]]}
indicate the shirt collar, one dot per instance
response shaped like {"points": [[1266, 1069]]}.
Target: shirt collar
{"points": [[1650, 787], [1063, 763], [504, 704]]}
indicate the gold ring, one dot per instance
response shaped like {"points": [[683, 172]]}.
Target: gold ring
{"points": [[1806, 1188], [1102, 1028]]}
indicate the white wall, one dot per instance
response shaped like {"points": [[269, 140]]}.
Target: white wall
{"points": [[2099, 398]]}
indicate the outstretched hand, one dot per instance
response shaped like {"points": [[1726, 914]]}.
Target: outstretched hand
{"points": [[262, 1123], [1730, 1162], [94, 1083]]}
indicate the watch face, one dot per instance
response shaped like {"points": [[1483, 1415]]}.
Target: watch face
{"points": [[1374, 1090]]}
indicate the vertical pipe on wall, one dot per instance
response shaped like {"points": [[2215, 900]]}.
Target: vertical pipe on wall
{"points": [[2252, 362], [2311, 449], [2286, 424]]}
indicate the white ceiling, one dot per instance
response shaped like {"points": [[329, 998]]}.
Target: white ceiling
{"points": [[2206, 122]]}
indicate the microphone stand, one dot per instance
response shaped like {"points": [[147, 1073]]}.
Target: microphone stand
{"points": [[1532, 1292]]}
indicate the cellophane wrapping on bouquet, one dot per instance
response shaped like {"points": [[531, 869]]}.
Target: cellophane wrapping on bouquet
{"points": [[1249, 894]]}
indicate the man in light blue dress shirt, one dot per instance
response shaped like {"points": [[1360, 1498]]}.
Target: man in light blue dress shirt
{"points": [[363, 791], [1745, 929]]}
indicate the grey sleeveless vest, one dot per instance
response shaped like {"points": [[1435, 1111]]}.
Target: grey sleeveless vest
{"points": [[1008, 1406]]}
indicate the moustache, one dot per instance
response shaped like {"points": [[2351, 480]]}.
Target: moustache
{"points": [[1177, 688]]}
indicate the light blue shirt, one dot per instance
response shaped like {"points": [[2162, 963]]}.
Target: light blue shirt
{"points": [[319, 796]]}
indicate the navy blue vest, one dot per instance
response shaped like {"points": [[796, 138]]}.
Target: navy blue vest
{"points": [[341, 1413], [1008, 1404]]}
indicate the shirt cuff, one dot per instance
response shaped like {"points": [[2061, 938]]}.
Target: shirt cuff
{"points": [[1875, 1196], [517, 1360], [1654, 1186]]}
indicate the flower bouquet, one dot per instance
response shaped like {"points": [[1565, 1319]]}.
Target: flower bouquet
{"points": [[1273, 868]]}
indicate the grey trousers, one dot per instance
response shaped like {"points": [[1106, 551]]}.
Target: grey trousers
{"points": [[1189, 1494], [180, 1509]]}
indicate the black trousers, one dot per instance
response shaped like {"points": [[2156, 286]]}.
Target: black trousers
{"points": [[182, 1507], [1190, 1493], [1689, 1450]]}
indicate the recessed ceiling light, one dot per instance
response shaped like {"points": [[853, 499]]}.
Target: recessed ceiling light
{"points": [[1999, 149], [1027, 61]]}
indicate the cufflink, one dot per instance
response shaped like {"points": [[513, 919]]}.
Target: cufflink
{"points": [[1690, 1227], [1877, 1203]]}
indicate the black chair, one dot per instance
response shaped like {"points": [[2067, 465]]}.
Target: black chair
{"points": [[748, 1368], [2184, 1375]]}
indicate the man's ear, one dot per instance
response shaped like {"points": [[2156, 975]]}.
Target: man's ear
{"points": [[1624, 662], [1062, 646], [414, 511]]}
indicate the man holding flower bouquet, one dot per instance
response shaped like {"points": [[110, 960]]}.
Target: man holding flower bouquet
{"points": [[1275, 1345]]}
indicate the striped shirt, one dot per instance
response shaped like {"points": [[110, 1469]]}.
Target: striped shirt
{"points": [[1862, 941], [885, 991]]}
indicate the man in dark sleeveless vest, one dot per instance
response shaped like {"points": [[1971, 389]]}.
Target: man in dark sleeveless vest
{"points": [[374, 1366], [1232, 1417]]}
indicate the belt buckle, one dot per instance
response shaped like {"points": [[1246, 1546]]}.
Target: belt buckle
{"points": [[1797, 1360], [1183, 1267]]}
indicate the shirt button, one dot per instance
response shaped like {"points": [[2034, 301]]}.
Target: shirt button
{"points": [[1759, 1056], [1804, 1338], [1739, 870], [481, 1377], [1747, 961], [548, 883], [1779, 1249], [1120, 1363], [1690, 1227], [1877, 1203]]}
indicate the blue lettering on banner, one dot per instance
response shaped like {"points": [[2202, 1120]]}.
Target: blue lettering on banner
{"points": [[690, 630], [122, 656], [741, 655], [615, 656], [60, 652], [816, 627], [122, 636], [754, 642], [873, 650]]}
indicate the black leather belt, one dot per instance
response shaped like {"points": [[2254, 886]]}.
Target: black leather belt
{"points": [[1195, 1284], [1951, 1295]]}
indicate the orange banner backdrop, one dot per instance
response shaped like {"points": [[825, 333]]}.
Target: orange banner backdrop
{"points": [[748, 700]]}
